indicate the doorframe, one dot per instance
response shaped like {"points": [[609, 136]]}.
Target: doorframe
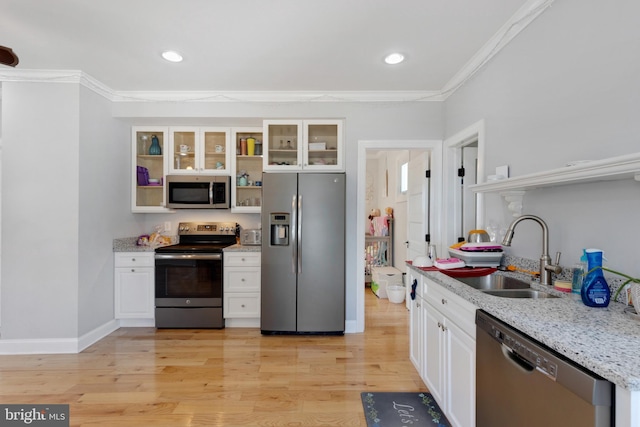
{"points": [[435, 146], [451, 162]]}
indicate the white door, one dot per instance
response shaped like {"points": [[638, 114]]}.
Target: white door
{"points": [[417, 205]]}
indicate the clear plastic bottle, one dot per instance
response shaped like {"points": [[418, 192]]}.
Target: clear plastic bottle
{"points": [[578, 271]]}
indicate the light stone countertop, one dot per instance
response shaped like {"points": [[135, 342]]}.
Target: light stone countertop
{"points": [[243, 248], [128, 244], [604, 340]]}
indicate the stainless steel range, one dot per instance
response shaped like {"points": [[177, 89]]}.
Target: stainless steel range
{"points": [[189, 276]]}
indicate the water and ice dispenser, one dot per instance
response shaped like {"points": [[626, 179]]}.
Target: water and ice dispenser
{"points": [[279, 229]]}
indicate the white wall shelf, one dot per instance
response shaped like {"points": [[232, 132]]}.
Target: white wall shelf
{"points": [[513, 189]]}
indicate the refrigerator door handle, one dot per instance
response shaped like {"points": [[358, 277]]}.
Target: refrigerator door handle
{"points": [[293, 233], [299, 241]]}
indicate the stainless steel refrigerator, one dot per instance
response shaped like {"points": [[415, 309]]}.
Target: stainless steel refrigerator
{"points": [[303, 251]]}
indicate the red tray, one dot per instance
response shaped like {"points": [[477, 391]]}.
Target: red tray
{"points": [[460, 272]]}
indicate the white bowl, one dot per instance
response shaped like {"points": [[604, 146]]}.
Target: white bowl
{"points": [[422, 261], [153, 181]]}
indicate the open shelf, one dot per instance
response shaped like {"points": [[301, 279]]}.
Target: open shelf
{"points": [[514, 189], [614, 168]]}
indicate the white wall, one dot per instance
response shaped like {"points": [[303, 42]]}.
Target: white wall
{"points": [[40, 210], [104, 204], [565, 89]]}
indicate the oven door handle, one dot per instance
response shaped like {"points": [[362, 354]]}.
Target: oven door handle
{"points": [[187, 257]]}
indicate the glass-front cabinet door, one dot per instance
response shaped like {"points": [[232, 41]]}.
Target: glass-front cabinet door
{"points": [[199, 150], [283, 145], [296, 145], [323, 148], [149, 145], [246, 175], [183, 144]]}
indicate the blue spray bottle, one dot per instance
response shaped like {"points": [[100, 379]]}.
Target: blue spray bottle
{"points": [[595, 291]]}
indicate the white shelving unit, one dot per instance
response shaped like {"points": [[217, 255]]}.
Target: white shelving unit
{"points": [[513, 189]]}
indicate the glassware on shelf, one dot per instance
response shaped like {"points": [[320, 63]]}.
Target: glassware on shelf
{"points": [[144, 139]]}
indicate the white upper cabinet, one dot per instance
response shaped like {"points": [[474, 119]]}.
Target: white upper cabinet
{"points": [[246, 170], [297, 145], [199, 150], [148, 145], [322, 149]]}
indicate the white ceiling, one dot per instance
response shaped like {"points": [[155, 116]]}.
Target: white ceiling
{"points": [[254, 45]]}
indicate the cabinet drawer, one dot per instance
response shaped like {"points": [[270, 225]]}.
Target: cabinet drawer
{"points": [[237, 279], [242, 305], [460, 311], [238, 259], [134, 259]]}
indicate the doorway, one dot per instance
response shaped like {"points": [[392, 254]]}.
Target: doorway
{"points": [[435, 149]]}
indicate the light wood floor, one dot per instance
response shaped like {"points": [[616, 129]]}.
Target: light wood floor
{"points": [[229, 377]]}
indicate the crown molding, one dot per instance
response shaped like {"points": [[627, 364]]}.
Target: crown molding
{"points": [[519, 21], [57, 76], [277, 96]]}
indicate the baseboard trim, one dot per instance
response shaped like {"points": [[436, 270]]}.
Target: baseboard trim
{"points": [[137, 323], [57, 345], [351, 327], [96, 335]]}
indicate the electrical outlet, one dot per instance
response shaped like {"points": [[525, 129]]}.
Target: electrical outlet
{"points": [[167, 226]]}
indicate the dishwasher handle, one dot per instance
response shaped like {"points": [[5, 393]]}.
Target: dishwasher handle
{"points": [[517, 361]]}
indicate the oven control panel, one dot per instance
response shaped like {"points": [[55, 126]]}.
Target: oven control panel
{"points": [[207, 228]]}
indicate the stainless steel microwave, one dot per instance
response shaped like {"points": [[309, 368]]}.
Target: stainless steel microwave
{"points": [[198, 192]]}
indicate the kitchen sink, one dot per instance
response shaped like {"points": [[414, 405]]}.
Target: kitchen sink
{"points": [[504, 286], [494, 282], [518, 293]]}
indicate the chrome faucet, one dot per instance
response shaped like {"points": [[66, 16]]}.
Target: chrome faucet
{"points": [[546, 267]]}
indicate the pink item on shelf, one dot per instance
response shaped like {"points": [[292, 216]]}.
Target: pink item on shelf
{"points": [[481, 247], [448, 263]]}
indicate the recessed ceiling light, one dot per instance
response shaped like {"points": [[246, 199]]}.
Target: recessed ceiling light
{"points": [[172, 56], [394, 58]]}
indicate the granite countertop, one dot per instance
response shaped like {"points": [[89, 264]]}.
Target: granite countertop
{"points": [[603, 340], [128, 244], [243, 248]]}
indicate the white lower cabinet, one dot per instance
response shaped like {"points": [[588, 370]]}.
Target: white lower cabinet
{"points": [[241, 295], [445, 324], [134, 288]]}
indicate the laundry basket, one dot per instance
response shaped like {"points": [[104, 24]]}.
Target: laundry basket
{"points": [[396, 293]]}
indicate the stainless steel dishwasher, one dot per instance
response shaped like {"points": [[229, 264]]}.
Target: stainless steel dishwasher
{"points": [[520, 382]]}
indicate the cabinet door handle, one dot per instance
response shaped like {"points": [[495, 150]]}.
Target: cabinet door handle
{"points": [[133, 270], [242, 280], [133, 259], [444, 301]]}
